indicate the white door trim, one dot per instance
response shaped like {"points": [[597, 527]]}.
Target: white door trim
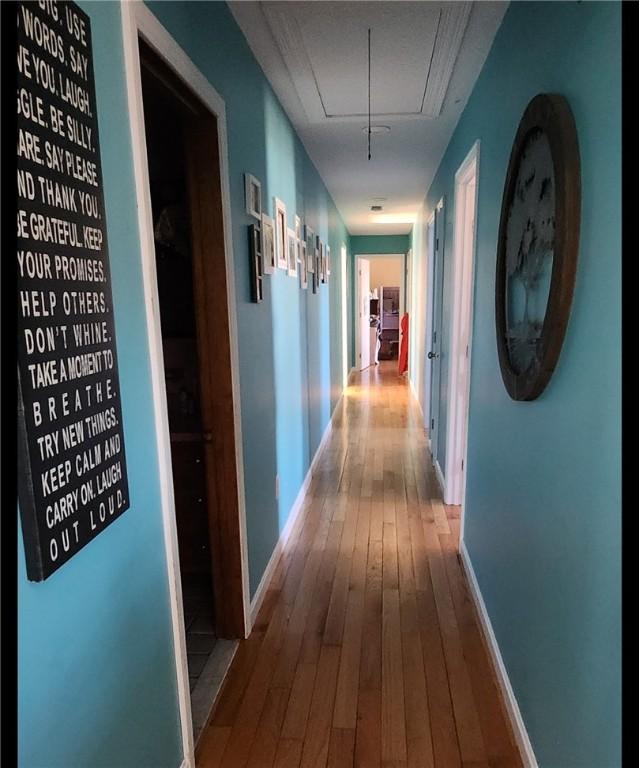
{"points": [[344, 314], [360, 358], [463, 281], [428, 323], [139, 21]]}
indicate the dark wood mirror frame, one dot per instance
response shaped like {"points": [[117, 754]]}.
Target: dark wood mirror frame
{"points": [[550, 113]]}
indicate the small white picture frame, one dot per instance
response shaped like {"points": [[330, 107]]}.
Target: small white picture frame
{"points": [[281, 233], [253, 196], [328, 261], [303, 266], [292, 253], [310, 249], [269, 259], [298, 235]]}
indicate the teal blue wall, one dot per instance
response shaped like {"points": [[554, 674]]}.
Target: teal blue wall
{"points": [[380, 243], [95, 640], [543, 503]]}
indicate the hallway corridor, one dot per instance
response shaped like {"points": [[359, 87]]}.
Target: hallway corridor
{"points": [[366, 650]]}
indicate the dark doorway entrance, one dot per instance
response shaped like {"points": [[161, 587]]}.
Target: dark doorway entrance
{"points": [[163, 118], [185, 190]]}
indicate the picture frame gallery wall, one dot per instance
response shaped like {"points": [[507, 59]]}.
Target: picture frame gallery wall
{"points": [[273, 245]]}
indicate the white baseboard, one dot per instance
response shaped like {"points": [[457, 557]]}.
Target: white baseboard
{"points": [[440, 478], [514, 714], [293, 517]]}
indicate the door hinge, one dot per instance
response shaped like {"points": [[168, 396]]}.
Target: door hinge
{"points": [[434, 337], [462, 464], [432, 423], [466, 350]]}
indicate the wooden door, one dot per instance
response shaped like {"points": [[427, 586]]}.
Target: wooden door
{"points": [[214, 348]]}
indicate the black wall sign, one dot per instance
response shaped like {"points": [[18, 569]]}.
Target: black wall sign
{"points": [[71, 461]]}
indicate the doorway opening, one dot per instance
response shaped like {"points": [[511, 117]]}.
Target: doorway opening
{"points": [[381, 300], [466, 183], [184, 183], [344, 297]]}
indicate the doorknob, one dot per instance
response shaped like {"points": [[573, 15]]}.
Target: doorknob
{"points": [[431, 355]]}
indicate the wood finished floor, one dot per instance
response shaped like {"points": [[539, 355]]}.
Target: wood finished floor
{"points": [[366, 651]]}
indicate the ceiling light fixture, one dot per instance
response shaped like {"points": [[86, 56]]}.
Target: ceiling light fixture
{"points": [[377, 128], [394, 218]]}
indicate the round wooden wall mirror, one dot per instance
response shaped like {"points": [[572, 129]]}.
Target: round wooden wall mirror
{"points": [[538, 246]]}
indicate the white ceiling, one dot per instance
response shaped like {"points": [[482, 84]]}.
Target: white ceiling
{"points": [[425, 59]]}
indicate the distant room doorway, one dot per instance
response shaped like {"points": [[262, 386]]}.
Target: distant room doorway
{"points": [[381, 302]]}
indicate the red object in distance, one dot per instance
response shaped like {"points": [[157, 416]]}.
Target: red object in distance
{"points": [[403, 345]]}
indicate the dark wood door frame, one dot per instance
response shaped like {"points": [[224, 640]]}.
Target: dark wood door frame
{"points": [[211, 303]]}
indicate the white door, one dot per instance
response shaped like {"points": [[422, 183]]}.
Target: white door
{"points": [[430, 294], [344, 321], [364, 313], [434, 353]]}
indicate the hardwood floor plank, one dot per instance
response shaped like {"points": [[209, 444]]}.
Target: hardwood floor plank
{"points": [[439, 513], [264, 749], [370, 675], [417, 714], [287, 661], [299, 702], [393, 712], [212, 745], [345, 711], [337, 607], [498, 737], [250, 710], [236, 680], [318, 727], [289, 753], [471, 742], [341, 748], [390, 575], [368, 743], [443, 727], [316, 620], [418, 548]]}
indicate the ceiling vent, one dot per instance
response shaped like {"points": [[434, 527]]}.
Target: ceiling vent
{"points": [[376, 208]]}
